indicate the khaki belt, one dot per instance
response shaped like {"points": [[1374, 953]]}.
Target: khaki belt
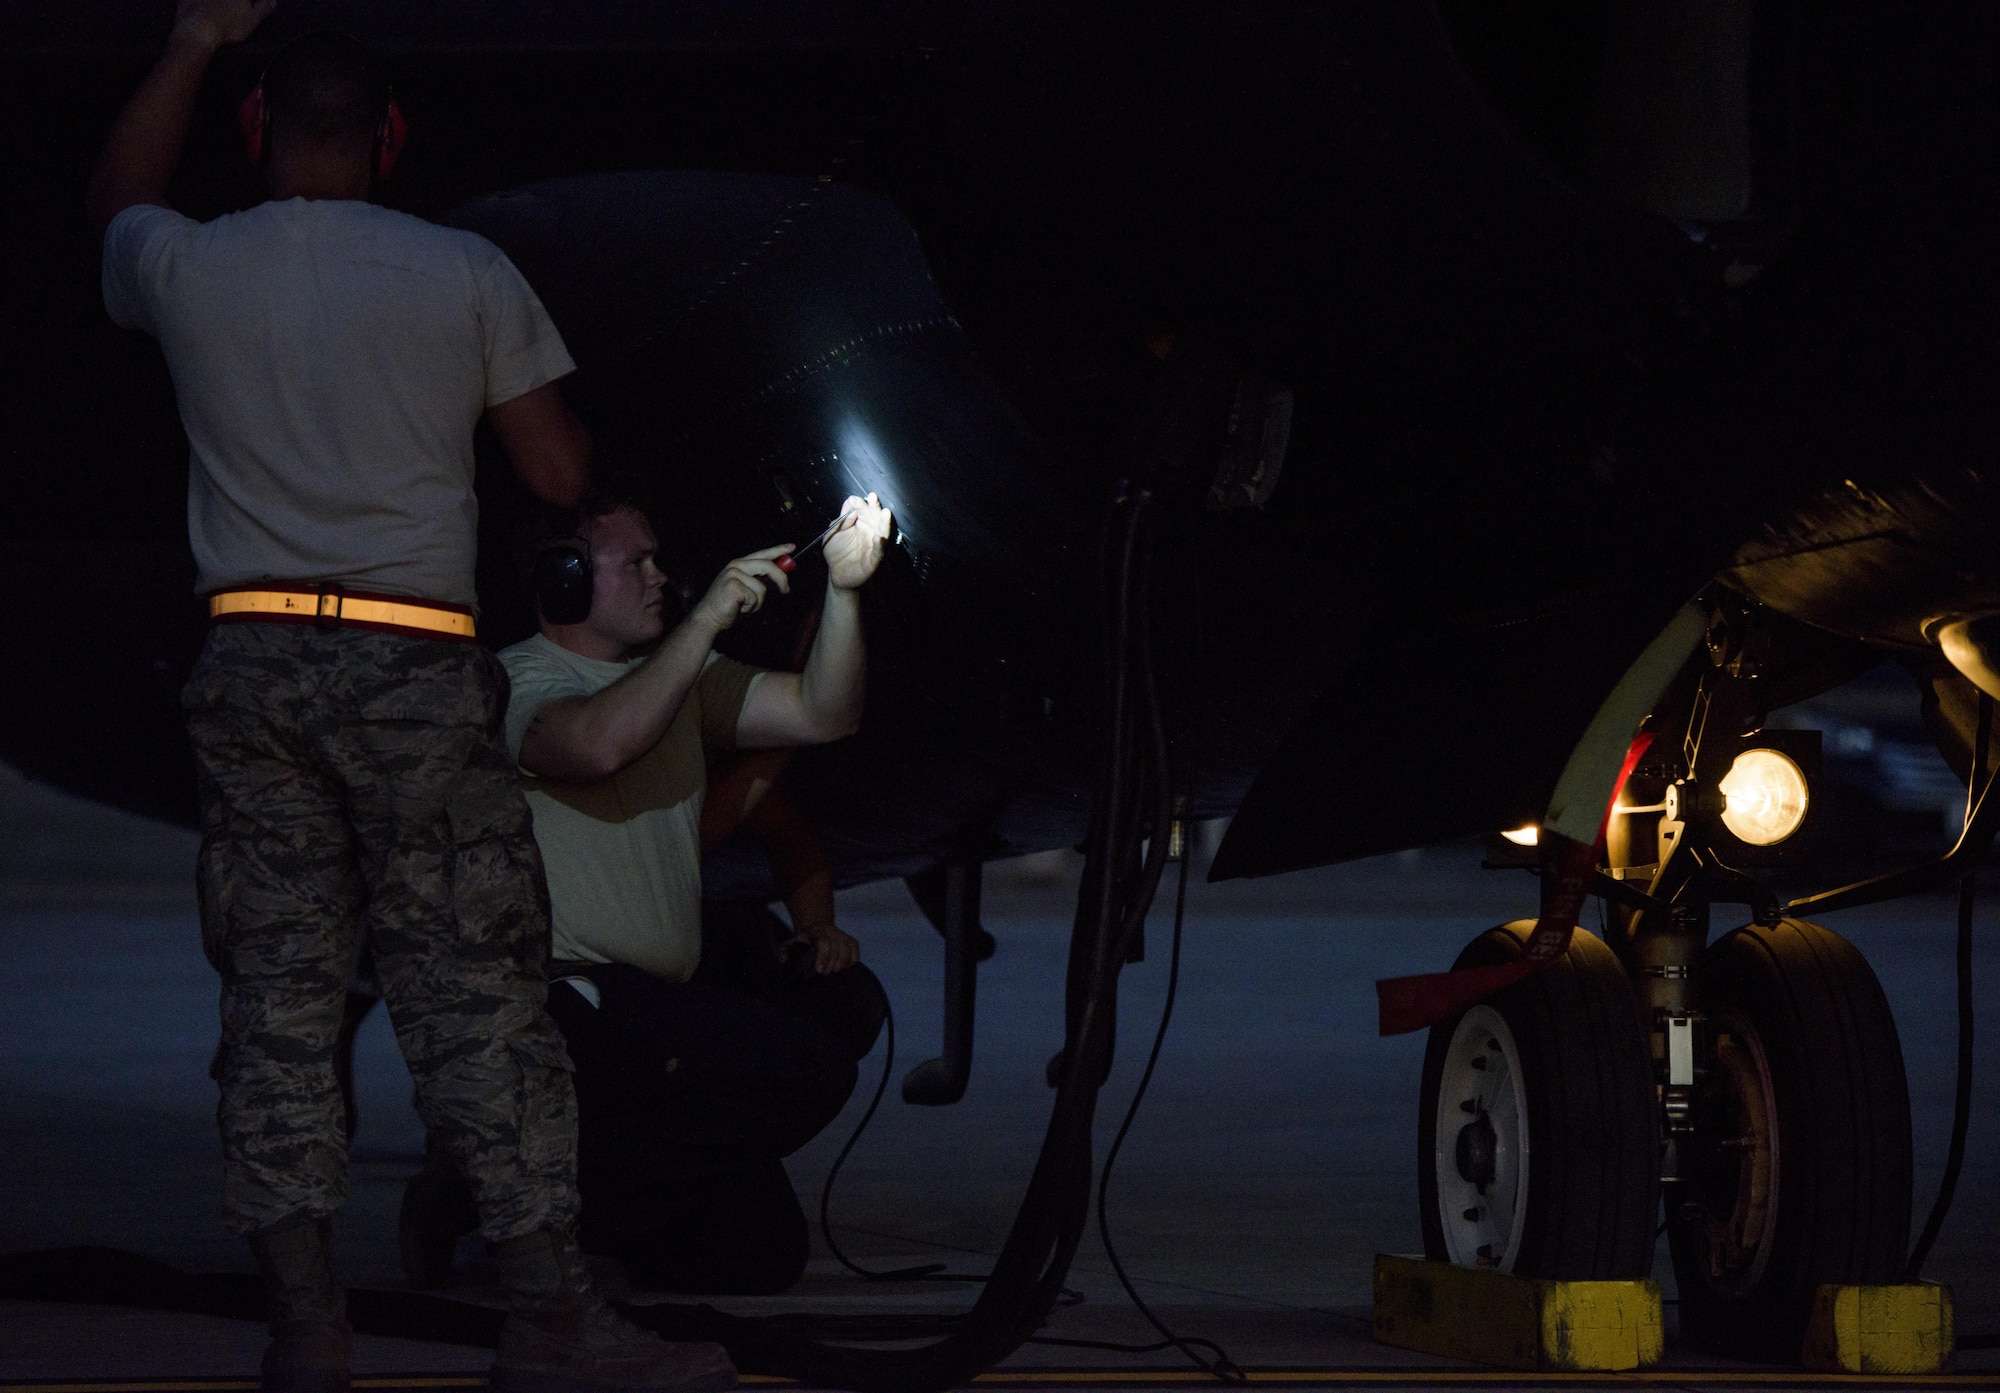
{"points": [[332, 607]]}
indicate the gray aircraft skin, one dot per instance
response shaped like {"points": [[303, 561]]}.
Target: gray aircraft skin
{"points": [[1452, 350]]}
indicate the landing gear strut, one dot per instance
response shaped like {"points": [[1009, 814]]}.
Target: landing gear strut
{"points": [[1760, 1076]]}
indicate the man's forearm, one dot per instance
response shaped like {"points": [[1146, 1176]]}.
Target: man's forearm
{"points": [[144, 146], [834, 685], [810, 902], [548, 446], [601, 734]]}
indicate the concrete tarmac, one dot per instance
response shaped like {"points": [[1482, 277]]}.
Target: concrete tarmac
{"points": [[1274, 1156]]}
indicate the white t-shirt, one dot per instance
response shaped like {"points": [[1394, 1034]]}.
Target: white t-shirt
{"points": [[623, 854], [331, 359]]}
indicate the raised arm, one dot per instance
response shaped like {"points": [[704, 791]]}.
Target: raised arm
{"points": [[144, 147], [824, 702], [580, 738]]}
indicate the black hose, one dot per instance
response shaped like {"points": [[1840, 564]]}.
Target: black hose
{"points": [[1205, 1354], [1026, 1282], [932, 1271], [1027, 1278], [922, 1272], [1161, 782], [1216, 1360], [1961, 1113]]}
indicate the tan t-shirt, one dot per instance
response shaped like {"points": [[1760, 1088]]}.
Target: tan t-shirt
{"points": [[331, 359], [624, 853]]}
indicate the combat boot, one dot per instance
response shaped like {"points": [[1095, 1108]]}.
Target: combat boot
{"points": [[305, 1306], [561, 1336]]}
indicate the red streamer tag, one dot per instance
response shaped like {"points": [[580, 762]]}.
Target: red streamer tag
{"points": [[1640, 744], [1415, 1003]]}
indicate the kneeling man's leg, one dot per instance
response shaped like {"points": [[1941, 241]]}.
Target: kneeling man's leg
{"points": [[458, 918], [690, 1096], [738, 1234], [849, 1005]]}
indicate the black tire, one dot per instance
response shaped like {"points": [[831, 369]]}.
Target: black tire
{"points": [[1800, 1008], [1592, 1131]]}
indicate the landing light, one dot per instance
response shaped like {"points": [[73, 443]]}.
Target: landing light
{"points": [[1524, 836], [1766, 795]]}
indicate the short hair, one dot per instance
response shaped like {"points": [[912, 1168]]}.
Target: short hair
{"points": [[545, 524], [326, 87]]}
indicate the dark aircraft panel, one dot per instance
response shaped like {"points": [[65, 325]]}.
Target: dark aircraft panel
{"points": [[1503, 331], [756, 348], [1445, 733], [1518, 389], [460, 26], [1883, 562], [780, 341]]}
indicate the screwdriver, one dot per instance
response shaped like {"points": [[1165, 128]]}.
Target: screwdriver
{"points": [[790, 562]]}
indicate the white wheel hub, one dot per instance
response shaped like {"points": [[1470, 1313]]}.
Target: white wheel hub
{"points": [[1481, 1157]]}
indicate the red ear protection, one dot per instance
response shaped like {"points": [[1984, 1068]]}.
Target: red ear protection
{"points": [[390, 140], [254, 116]]}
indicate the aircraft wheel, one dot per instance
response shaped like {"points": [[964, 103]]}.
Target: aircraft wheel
{"points": [[1800, 1173], [1537, 1141]]}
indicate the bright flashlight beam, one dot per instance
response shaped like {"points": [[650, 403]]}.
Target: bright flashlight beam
{"points": [[1766, 797], [865, 462]]}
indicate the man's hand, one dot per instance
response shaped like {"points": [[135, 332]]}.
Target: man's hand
{"points": [[739, 590], [144, 146], [833, 951], [824, 702], [855, 549], [214, 23]]}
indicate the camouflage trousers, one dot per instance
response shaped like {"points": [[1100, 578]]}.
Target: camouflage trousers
{"points": [[355, 781]]}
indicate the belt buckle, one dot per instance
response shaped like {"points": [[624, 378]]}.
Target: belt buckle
{"points": [[323, 617]]}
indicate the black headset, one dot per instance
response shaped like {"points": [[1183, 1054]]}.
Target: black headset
{"points": [[564, 582]]}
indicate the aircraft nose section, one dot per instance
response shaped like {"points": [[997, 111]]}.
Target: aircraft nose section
{"points": [[755, 349], [760, 347]]}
